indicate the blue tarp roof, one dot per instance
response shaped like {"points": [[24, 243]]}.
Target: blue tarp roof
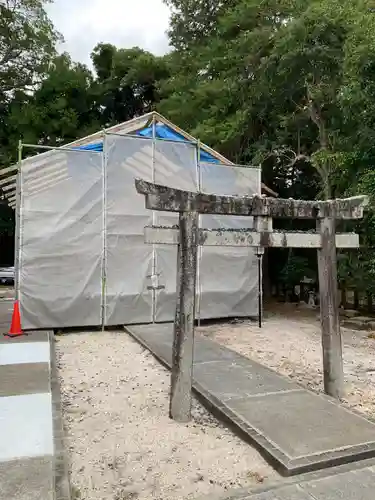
{"points": [[96, 146], [162, 132]]}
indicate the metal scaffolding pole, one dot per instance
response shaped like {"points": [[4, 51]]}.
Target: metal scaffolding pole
{"points": [[154, 219], [200, 249], [17, 234], [104, 229]]}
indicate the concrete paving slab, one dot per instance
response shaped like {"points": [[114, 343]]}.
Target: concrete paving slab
{"points": [[296, 430], [205, 352], [311, 424], [235, 381], [293, 492], [26, 426], [32, 352], [36, 336], [28, 479], [31, 378], [348, 482], [355, 485]]}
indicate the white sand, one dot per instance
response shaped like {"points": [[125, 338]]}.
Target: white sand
{"points": [[291, 344], [123, 445]]}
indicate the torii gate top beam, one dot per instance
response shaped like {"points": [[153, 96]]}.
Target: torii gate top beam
{"points": [[168, 199]]}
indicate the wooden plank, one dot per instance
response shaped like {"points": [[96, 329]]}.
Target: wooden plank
{"points": [[8, 170], [8, 180], [183, 343], [246, 238], [329, 311], [10, 194], [168, 199], [8, 187]]}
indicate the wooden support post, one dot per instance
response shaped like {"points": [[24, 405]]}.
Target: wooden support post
{"points": [[183, 342], [329, 310], [263, 225], [259, 254]]}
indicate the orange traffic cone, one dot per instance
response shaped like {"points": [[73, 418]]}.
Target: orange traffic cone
{"points": [[15, 326]]}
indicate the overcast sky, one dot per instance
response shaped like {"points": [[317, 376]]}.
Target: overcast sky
{"points": [[125, 23]]}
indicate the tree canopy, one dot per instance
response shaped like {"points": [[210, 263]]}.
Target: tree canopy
{"points": [[27, 41]]}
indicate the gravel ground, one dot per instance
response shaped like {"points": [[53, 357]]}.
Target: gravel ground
{"points": [[6, 292], [291, 344], [122, 445]]}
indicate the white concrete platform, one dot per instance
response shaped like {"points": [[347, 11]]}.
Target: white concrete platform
{"points": [[33, 352], [26, 426]]}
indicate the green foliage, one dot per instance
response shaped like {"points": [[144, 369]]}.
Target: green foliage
{"points": [[27, 40], [269, 76], [61, 105], [6, 220], [295, 270], [288, 84], [127, 82], [192, 21], [27, 44]]}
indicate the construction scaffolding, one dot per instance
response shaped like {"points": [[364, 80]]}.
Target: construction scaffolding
{"points": [[81, 259]]}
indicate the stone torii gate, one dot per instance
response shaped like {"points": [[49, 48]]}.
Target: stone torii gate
{"points": [[188, 236]]}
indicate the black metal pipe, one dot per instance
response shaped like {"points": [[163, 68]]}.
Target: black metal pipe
{"points": [[260, 290]]}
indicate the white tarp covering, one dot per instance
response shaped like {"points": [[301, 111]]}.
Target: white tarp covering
{"points": [[128, 258], [175, 166], [82, 258], [228, 277], [61, 240]]}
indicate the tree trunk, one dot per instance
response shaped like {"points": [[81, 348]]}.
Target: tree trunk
{"points": [[344, 298], [369, 302], [356, 299], [266, 276]]}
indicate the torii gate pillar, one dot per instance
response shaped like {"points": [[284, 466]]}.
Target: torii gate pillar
{"points": [[183, 338], [329, 310]]}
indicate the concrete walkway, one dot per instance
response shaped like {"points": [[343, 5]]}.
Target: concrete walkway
{"points": [[346, 482], [296, 430], [32, 465]]}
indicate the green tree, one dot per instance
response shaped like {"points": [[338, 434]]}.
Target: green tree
{"points": [[267, 85], [127, 83], [27, 45], [194, 21], [62, 108], [27, 41], [284, 83]]}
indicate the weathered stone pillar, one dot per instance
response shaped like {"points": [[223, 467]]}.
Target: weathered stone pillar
{"points": [[183, 342], [329, 310]]}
